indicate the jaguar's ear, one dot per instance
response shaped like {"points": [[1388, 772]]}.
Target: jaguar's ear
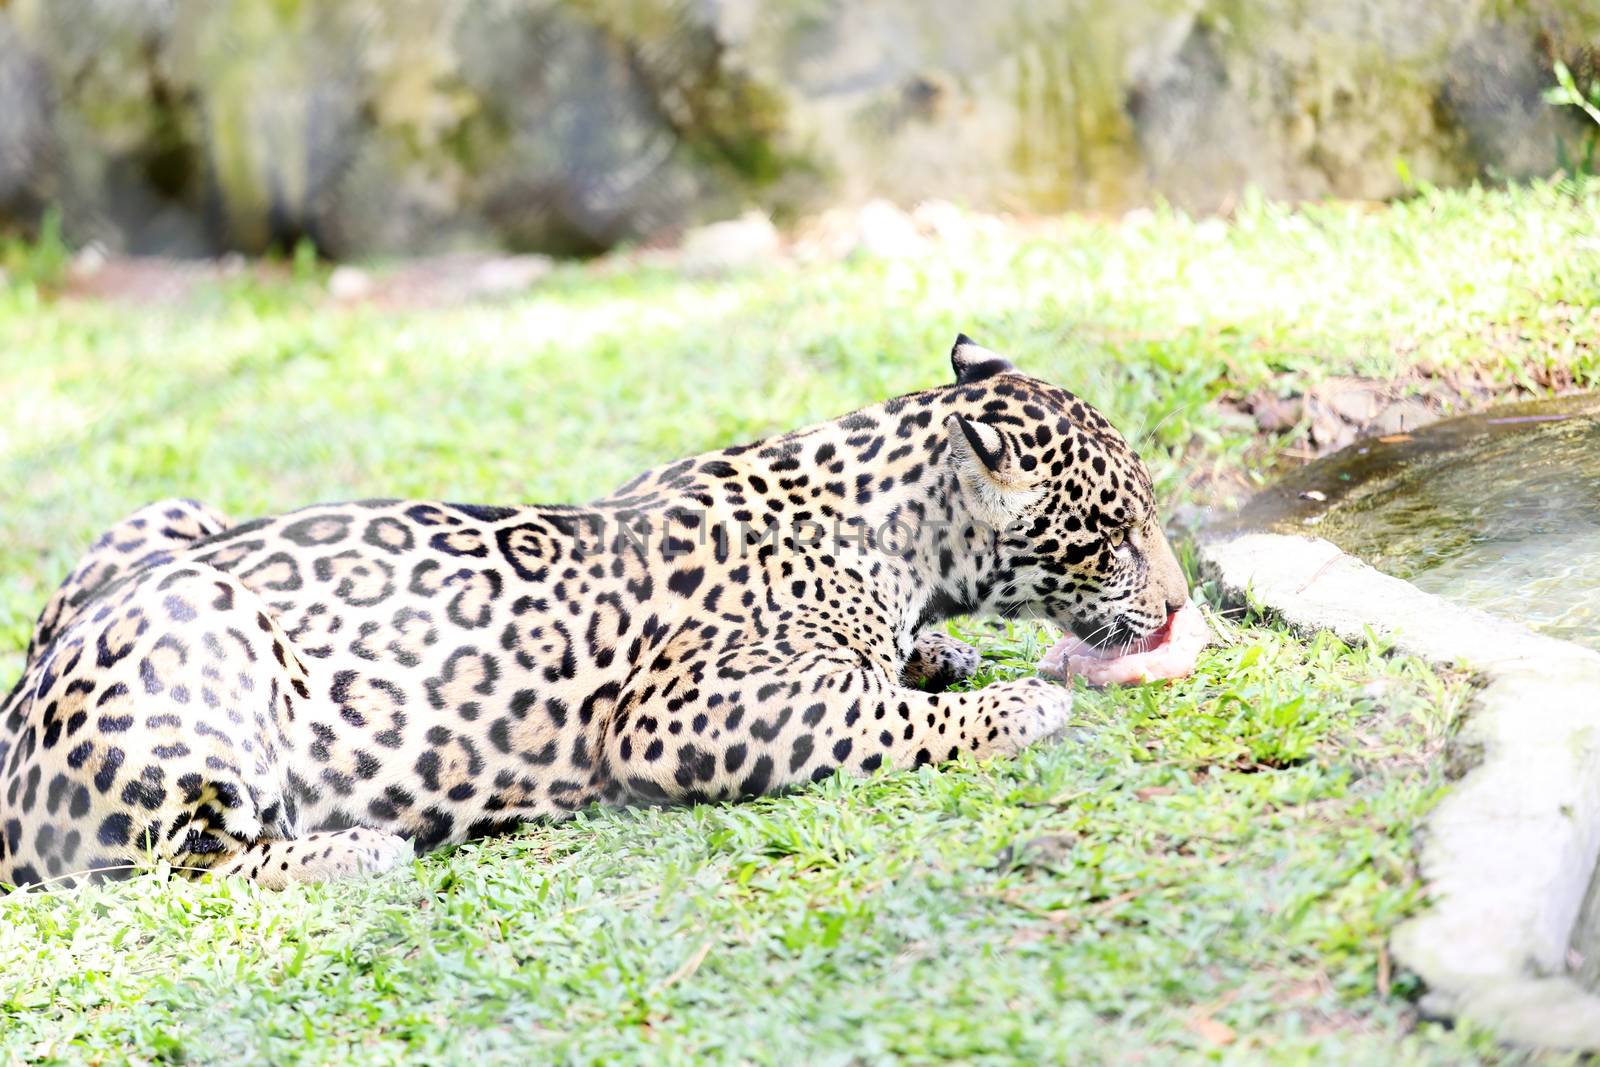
{"points": [[973, 363], [979, 445], [989, 469]]}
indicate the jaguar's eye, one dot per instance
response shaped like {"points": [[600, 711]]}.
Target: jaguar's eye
{"points": [[1116, 537]]}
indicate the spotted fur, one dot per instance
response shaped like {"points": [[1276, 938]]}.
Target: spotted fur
{"points": [[315, 694]]}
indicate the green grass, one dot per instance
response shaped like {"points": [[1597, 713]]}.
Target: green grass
{"points": [[1207, 867]]}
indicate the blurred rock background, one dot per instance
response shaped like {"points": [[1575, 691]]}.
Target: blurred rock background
{"points": [[382, 127]]}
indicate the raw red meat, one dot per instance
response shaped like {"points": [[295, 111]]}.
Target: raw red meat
{"points": [[1170, 652]]}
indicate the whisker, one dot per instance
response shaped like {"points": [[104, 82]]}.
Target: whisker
{"points": [[1145, 434]]}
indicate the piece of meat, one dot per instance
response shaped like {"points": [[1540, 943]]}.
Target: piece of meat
{"points": [[1170, 652]]}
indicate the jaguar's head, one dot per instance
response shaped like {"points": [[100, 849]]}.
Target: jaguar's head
{"points": [[1079, 542]]}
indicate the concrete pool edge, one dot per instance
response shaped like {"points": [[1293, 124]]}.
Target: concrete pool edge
{"points": [[1509, 853]]}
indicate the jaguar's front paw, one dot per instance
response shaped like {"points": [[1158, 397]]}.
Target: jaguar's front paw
{"points": [[939, 661], [1030, 709]]}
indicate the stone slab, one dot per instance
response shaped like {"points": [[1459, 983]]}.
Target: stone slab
{"points": [[1509, 854]]}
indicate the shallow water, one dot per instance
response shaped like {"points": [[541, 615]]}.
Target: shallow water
{"points": [[1500, 511]]}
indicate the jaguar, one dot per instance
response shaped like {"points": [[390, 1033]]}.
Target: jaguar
{"points": [[328, 692]]}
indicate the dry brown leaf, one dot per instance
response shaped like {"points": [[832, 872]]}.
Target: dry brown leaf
{"points": [[1212, 1030]]}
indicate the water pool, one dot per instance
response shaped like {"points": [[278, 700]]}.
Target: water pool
{"points": [[1499, 511]]}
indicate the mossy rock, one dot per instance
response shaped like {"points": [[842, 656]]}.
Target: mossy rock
{"points": [[394, 126], [375, 127]]}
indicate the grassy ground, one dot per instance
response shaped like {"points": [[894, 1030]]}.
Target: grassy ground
{"points": [[1207, 867]]}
